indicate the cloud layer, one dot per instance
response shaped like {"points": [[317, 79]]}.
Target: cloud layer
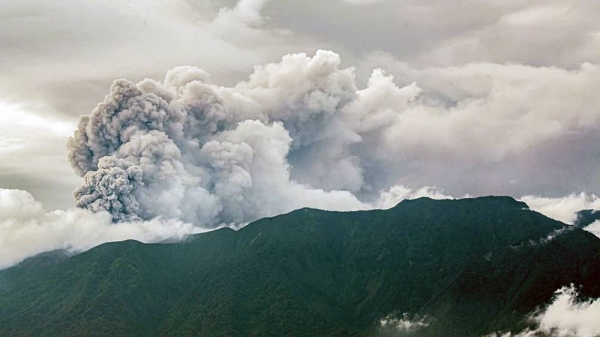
{"points": [[26, 229], [563, 209]]}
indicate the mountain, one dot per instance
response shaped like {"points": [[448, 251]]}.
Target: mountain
{"points": [[586, 217], [469, 267]]}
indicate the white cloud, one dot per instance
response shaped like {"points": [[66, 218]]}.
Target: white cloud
{"points": [[403, 325], [493, 129], [563, 209], [594, 228], [566, 316], [26, 229]]}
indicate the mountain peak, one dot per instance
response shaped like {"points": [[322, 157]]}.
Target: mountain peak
{"points": [[491, 201]]}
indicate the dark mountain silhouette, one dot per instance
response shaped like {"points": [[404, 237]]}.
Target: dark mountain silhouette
{"points": [[469, 267]]}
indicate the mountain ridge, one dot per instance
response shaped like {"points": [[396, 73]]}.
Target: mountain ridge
{"points": [[340, 271]]}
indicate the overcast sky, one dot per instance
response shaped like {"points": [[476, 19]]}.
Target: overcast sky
{"points": [[508, 99]]}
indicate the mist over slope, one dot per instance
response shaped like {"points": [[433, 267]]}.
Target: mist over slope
{"points": [[461, 267]]}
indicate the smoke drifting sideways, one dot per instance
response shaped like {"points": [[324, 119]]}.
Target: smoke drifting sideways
{"points": [[26, 229]]}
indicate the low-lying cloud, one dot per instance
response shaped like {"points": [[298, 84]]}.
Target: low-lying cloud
{"points": [[563, 209], [26, 229], [394, 326], [566, 316]]}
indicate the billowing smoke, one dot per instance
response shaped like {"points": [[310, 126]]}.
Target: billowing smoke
{"points": [[299, 133], [190, 150]]}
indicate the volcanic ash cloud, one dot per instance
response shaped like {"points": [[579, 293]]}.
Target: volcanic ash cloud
{"points": [[198, 152]]}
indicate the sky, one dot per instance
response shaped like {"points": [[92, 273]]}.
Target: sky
{"points": [[235, 110], [514, 81]]}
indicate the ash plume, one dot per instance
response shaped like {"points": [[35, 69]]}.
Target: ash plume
{"points": [[300, 133], [198, 152]]}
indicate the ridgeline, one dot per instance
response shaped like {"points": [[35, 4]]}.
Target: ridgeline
{"points": [[469, 267]]}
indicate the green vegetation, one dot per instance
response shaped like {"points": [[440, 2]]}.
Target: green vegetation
{"points": [[472, 266]]}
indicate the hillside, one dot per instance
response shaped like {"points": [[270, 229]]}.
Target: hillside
{"points": [[472, 266]]}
